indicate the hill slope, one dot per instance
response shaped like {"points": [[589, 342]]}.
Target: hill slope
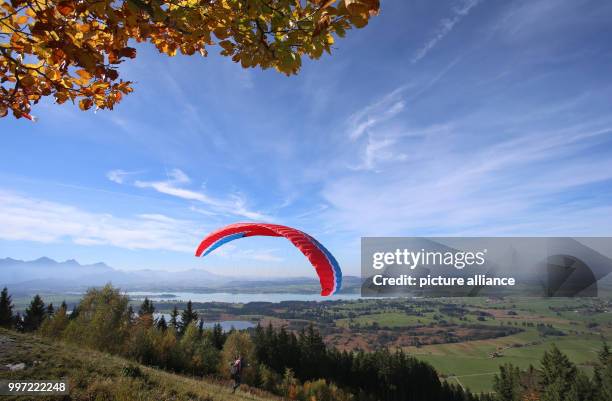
{"points": [[97, 376]]}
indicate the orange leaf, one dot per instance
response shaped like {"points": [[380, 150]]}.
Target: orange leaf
{"points": [[84, 74], [20, 19], [65, 8], [85, 104]]}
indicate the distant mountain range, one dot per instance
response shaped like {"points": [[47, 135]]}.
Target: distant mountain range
{"points": [[46, 274]]}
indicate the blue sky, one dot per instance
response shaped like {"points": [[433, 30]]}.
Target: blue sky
{"points": [[479, 118]]}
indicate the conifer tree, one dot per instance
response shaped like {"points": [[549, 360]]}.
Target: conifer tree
{"points": [[130, 314], [75, 312], [558, 375], [18, 322], [34, 314], [188, 316], [174, 319], [161, 323], [602, 377], [218, 337], [507, 383], [6, 309], [146, 308], [201, 328]]}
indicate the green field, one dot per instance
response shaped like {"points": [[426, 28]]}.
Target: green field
{"points": [[472, 365]]}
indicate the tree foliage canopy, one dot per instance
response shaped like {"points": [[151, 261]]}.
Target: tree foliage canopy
{"points": [[71, 49]]}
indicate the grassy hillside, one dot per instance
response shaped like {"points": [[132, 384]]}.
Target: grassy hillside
{"points": [[96, 376]]}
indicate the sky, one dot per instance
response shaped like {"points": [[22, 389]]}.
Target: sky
{"points": [[445, 118]]}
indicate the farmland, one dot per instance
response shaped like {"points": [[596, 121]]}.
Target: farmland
{"points": [[465, 339]]}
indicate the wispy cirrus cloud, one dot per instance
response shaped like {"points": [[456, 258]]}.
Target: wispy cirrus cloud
{"points": [[389, 106], [119, 176], [504, 187], [379, 150], [174, 185], [445, 26]]}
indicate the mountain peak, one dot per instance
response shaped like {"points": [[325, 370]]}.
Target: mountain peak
{"points": [[44, 259], [100, 265]]}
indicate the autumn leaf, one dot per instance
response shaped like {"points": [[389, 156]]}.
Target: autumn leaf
{"points": [[70, 49], [20, 19], [129, 52], [65, 8], [84, 74], [85, 104]]}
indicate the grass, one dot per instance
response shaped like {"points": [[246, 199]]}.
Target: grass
{"points": [[388, 319], [470, 364], [473, 366], [96, 376]]}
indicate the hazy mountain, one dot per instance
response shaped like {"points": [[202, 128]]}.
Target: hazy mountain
{"points": [[46, 274]]}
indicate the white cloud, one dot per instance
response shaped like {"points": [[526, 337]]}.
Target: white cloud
{"points": [[376, 113], [32, 219], [234, 204], [445, 26], [119, 176], [380, 150], [464, 185]]}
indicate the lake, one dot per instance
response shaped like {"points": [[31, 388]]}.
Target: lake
{"points": [[226, 325], [235, 298]]}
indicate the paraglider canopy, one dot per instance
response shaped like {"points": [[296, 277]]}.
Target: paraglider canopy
{"points": [[326, 266]]}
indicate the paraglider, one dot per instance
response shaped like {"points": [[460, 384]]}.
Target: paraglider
{"points": [[326, 266]]}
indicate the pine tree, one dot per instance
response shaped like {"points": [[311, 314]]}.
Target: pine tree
{"points": [[602, 378], [146, 308], [75, 312], [507, 384], [130, 314], [161, 323], [6, 309], [34, 314], [188, 316], [558, 375], [582, 389], [174, 319], [50, 310], [218, 337], [201, 328], [18, 322]]}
